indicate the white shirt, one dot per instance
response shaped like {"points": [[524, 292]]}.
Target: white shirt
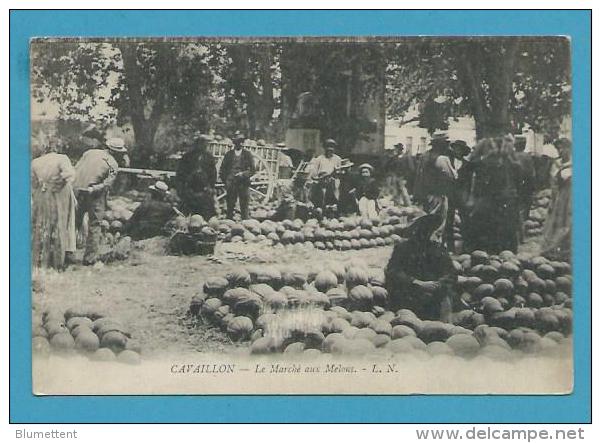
{"points": [[322, 165]]}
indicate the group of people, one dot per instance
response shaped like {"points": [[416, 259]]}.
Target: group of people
{"points": [[492, 189], [62, 195], [329, 186]]}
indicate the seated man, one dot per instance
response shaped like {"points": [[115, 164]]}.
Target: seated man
{"points": [[322, 173], [366, 192], [420, 275], [152, 215]]}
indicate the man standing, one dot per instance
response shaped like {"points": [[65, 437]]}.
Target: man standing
{"points": [[326, 187], [237, 168], [435, 180], [526, 182], [285, 164], [94, 175], [196, 176], [403, 172], [459, 150]]}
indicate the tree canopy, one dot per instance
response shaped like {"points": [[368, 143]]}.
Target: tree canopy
{"points": [[171, 89]]}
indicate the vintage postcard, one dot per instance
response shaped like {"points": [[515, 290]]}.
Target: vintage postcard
{"points": [[301, 215]]}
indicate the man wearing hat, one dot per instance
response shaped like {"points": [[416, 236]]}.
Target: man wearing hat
{"points": [[459, 192], [285, 164], [403, 172], [237, 168], [149, 219], [95, 173], [195, 178], [323, 169], [435, 180]]}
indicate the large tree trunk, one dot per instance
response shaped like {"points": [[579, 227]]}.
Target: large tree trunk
{"points": [[501, 87], [481, 63], [144, 127]]}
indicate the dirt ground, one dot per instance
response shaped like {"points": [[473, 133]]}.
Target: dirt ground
{"points": [[150, 292]]}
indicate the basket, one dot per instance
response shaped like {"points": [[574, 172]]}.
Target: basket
{"points": [[206, 247]]}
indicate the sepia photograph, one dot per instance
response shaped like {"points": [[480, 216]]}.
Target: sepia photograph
{"points": [[307, 215]]}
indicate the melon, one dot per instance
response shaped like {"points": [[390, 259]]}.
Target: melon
{"points": [[295, 348], [434, 331], [240, 328], [40, 346], [263, 345], [361, 296], [215, 286], [380, 340], [114, 340], [463, 345], [325, 280], [209, 307], [415, 342], [240, 278], [362, 319], [129, 357], [103, 354], [87, 341], [342, 312], [337, 296], [356, 276], [400, 331], [380, 295], [381, 327], [399, 346], [73, 322], [483, 290], [439, 348]]}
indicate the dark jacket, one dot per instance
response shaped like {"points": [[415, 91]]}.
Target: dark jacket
{"points": [[149, 219], [430, 180], [248, 165], [367, 188], [196, 171], [426, 261]]}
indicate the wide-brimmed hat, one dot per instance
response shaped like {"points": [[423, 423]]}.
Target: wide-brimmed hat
{"points": [[439, 138], [461, 147], [281, 145], [116, 144], [562, 143], [160, 187], [92, 132], [238, 137], [202, 137], [330, 143], [366, 166]]}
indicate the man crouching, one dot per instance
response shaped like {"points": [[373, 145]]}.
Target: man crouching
{"points": [[420, 274]]}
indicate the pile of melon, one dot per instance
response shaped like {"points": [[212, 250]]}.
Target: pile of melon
{"points": [[345, 233], [87, 333], [193, 224], [505, 303], [534, 225]]}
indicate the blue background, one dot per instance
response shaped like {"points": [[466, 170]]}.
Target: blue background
{"points": [[24, 407]]}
